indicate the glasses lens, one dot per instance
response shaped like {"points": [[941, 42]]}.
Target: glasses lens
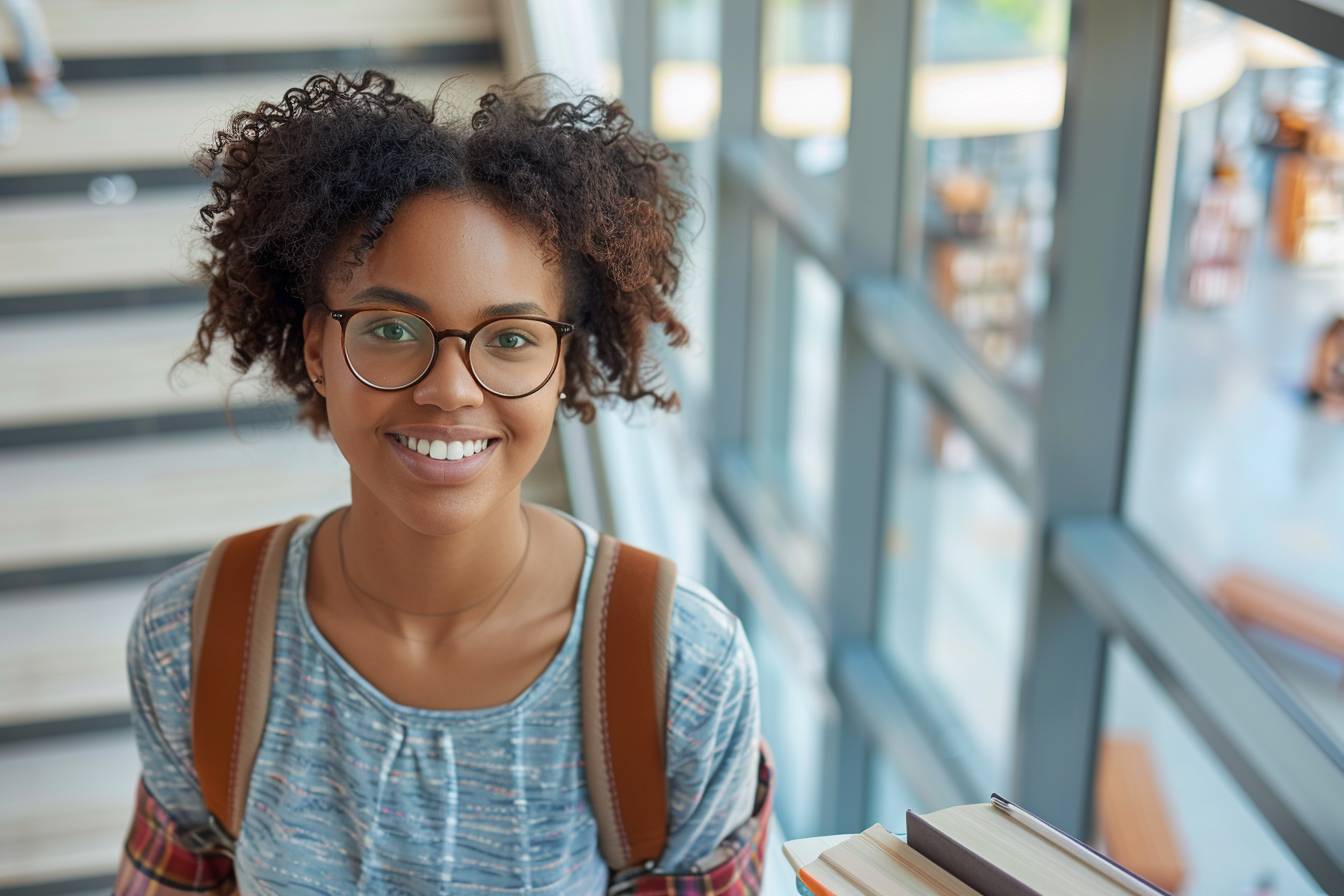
{"points": [[388, 349], [514, 356], [511, 356]]}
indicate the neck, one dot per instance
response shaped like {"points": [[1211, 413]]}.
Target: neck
{"points": [[426, 586]]}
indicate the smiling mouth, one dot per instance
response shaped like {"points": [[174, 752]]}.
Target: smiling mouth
{"points": [[438, 449]]}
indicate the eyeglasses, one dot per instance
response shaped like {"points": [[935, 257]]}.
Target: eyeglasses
{"points": [[392, 349]]}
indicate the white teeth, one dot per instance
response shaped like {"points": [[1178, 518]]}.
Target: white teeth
{"points": [[438, 449]]}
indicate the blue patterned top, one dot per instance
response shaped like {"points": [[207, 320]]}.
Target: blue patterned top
{"points": [[355, 793]]}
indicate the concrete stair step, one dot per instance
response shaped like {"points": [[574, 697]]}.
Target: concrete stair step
{"points": [[174, 116], [110, 28], [67, 806], [63, 651], [107, 500], [100, 364], [69, 244]]}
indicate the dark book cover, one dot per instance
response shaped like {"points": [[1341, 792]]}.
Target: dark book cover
{"points": [[960, 862]]}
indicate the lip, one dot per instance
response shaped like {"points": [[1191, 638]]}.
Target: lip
{"points": [[441, 472]]}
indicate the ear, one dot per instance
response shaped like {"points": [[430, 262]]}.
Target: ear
{"points": [[314, 320]]}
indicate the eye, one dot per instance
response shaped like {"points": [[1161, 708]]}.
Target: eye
{"points": [[511, 339], [391, 330]]}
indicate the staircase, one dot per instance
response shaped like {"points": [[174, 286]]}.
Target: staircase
{"points": [[111, 473]]}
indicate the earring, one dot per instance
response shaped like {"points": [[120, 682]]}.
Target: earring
{"points": [[318, 380], [562, 396]]}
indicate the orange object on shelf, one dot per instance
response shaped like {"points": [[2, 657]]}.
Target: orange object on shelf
{"points": [[1325, 379], [1132, 814], [1248, 596]]}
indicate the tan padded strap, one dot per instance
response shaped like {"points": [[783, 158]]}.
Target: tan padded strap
{"points": [[233, 640], [624, 672]]}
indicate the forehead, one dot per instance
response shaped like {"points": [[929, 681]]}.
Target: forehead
{"points": [[460, 256]]}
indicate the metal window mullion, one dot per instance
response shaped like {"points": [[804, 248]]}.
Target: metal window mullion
{"points": [[1317, 23], [1290, 769], [1116, 65], [909, 333], [637, 49], [870, 224], [740, 67], [780, 194]]}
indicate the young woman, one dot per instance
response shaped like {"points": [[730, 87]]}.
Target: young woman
{"points": [[424, 730]]}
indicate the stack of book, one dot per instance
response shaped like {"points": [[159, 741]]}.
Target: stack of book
{"points": [[989, 849]]}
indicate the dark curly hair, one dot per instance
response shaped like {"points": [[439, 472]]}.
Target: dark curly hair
{"points": [[331, 162]]}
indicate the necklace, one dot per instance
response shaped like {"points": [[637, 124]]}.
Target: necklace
{"points": [[498, 593]]}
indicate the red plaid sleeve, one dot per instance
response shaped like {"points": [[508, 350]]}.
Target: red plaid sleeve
{"points": [[738, 863], [157, 862]]}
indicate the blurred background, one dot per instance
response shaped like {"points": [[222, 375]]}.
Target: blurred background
{"points": [[1013, 420]]}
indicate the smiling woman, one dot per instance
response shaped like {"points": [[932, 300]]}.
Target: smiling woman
{"points": [[432, 292]]}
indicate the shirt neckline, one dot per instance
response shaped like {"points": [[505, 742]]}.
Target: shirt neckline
{"points": [[297, 575]]}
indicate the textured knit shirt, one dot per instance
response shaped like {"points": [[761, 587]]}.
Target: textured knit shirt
{"points": [[355, 793]]}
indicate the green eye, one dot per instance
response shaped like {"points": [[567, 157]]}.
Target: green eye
{"points": [[392, 327], [512, 339]]}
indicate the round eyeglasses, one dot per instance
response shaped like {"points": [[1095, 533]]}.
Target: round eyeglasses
{"points": [[391, 349]]}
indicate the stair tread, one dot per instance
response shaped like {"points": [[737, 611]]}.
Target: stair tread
{"points": [[185, 112], [63, 650], [68, 802], [109, 28], [57, 368], [170, 493], [69, 244]]}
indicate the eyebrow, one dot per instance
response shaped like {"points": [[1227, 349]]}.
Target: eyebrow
{"points": [[375, 294]]}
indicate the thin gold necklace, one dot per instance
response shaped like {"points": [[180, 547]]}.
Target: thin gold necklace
{"points": [[499, 592]]}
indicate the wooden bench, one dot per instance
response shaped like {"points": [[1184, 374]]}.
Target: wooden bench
{"points": [[1132, 814], [1251, 598]]}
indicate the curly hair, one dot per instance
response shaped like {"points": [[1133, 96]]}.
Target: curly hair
{"points": [[329, 164]]}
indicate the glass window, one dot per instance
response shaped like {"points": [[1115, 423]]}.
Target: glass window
{"points": [[954, 584], [1236, 458], [987, 97], [794, 349], [686, 95], [793, 719], [768, 373], [891, 794], [1168, 809], [805, 89], [814, 358]]}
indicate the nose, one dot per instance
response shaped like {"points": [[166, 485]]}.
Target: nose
{"points": [[449, 383]]}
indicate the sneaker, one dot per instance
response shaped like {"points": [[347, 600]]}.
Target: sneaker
{"points": [[60, 102], [9, 122]]}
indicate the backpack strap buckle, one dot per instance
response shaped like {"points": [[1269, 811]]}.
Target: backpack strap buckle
{"points": [[209, 838]]}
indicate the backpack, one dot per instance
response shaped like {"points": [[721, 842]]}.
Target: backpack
{"points": [[624, 666]]}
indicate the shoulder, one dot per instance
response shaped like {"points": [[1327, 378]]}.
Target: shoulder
{"points": [[159, 641], [711, 669], [704, 634]]}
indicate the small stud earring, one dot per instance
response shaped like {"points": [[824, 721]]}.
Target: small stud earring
{"points": [[319, 380], [562, 396]]}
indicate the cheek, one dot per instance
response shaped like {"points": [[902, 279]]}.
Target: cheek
{"points": [[529, 421]]}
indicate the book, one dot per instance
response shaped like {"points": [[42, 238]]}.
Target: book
{"points": [[982, 849], [877, 863]]}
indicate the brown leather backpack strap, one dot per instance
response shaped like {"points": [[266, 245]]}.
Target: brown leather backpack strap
{"points": [[624, 670], [232, 644]]}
